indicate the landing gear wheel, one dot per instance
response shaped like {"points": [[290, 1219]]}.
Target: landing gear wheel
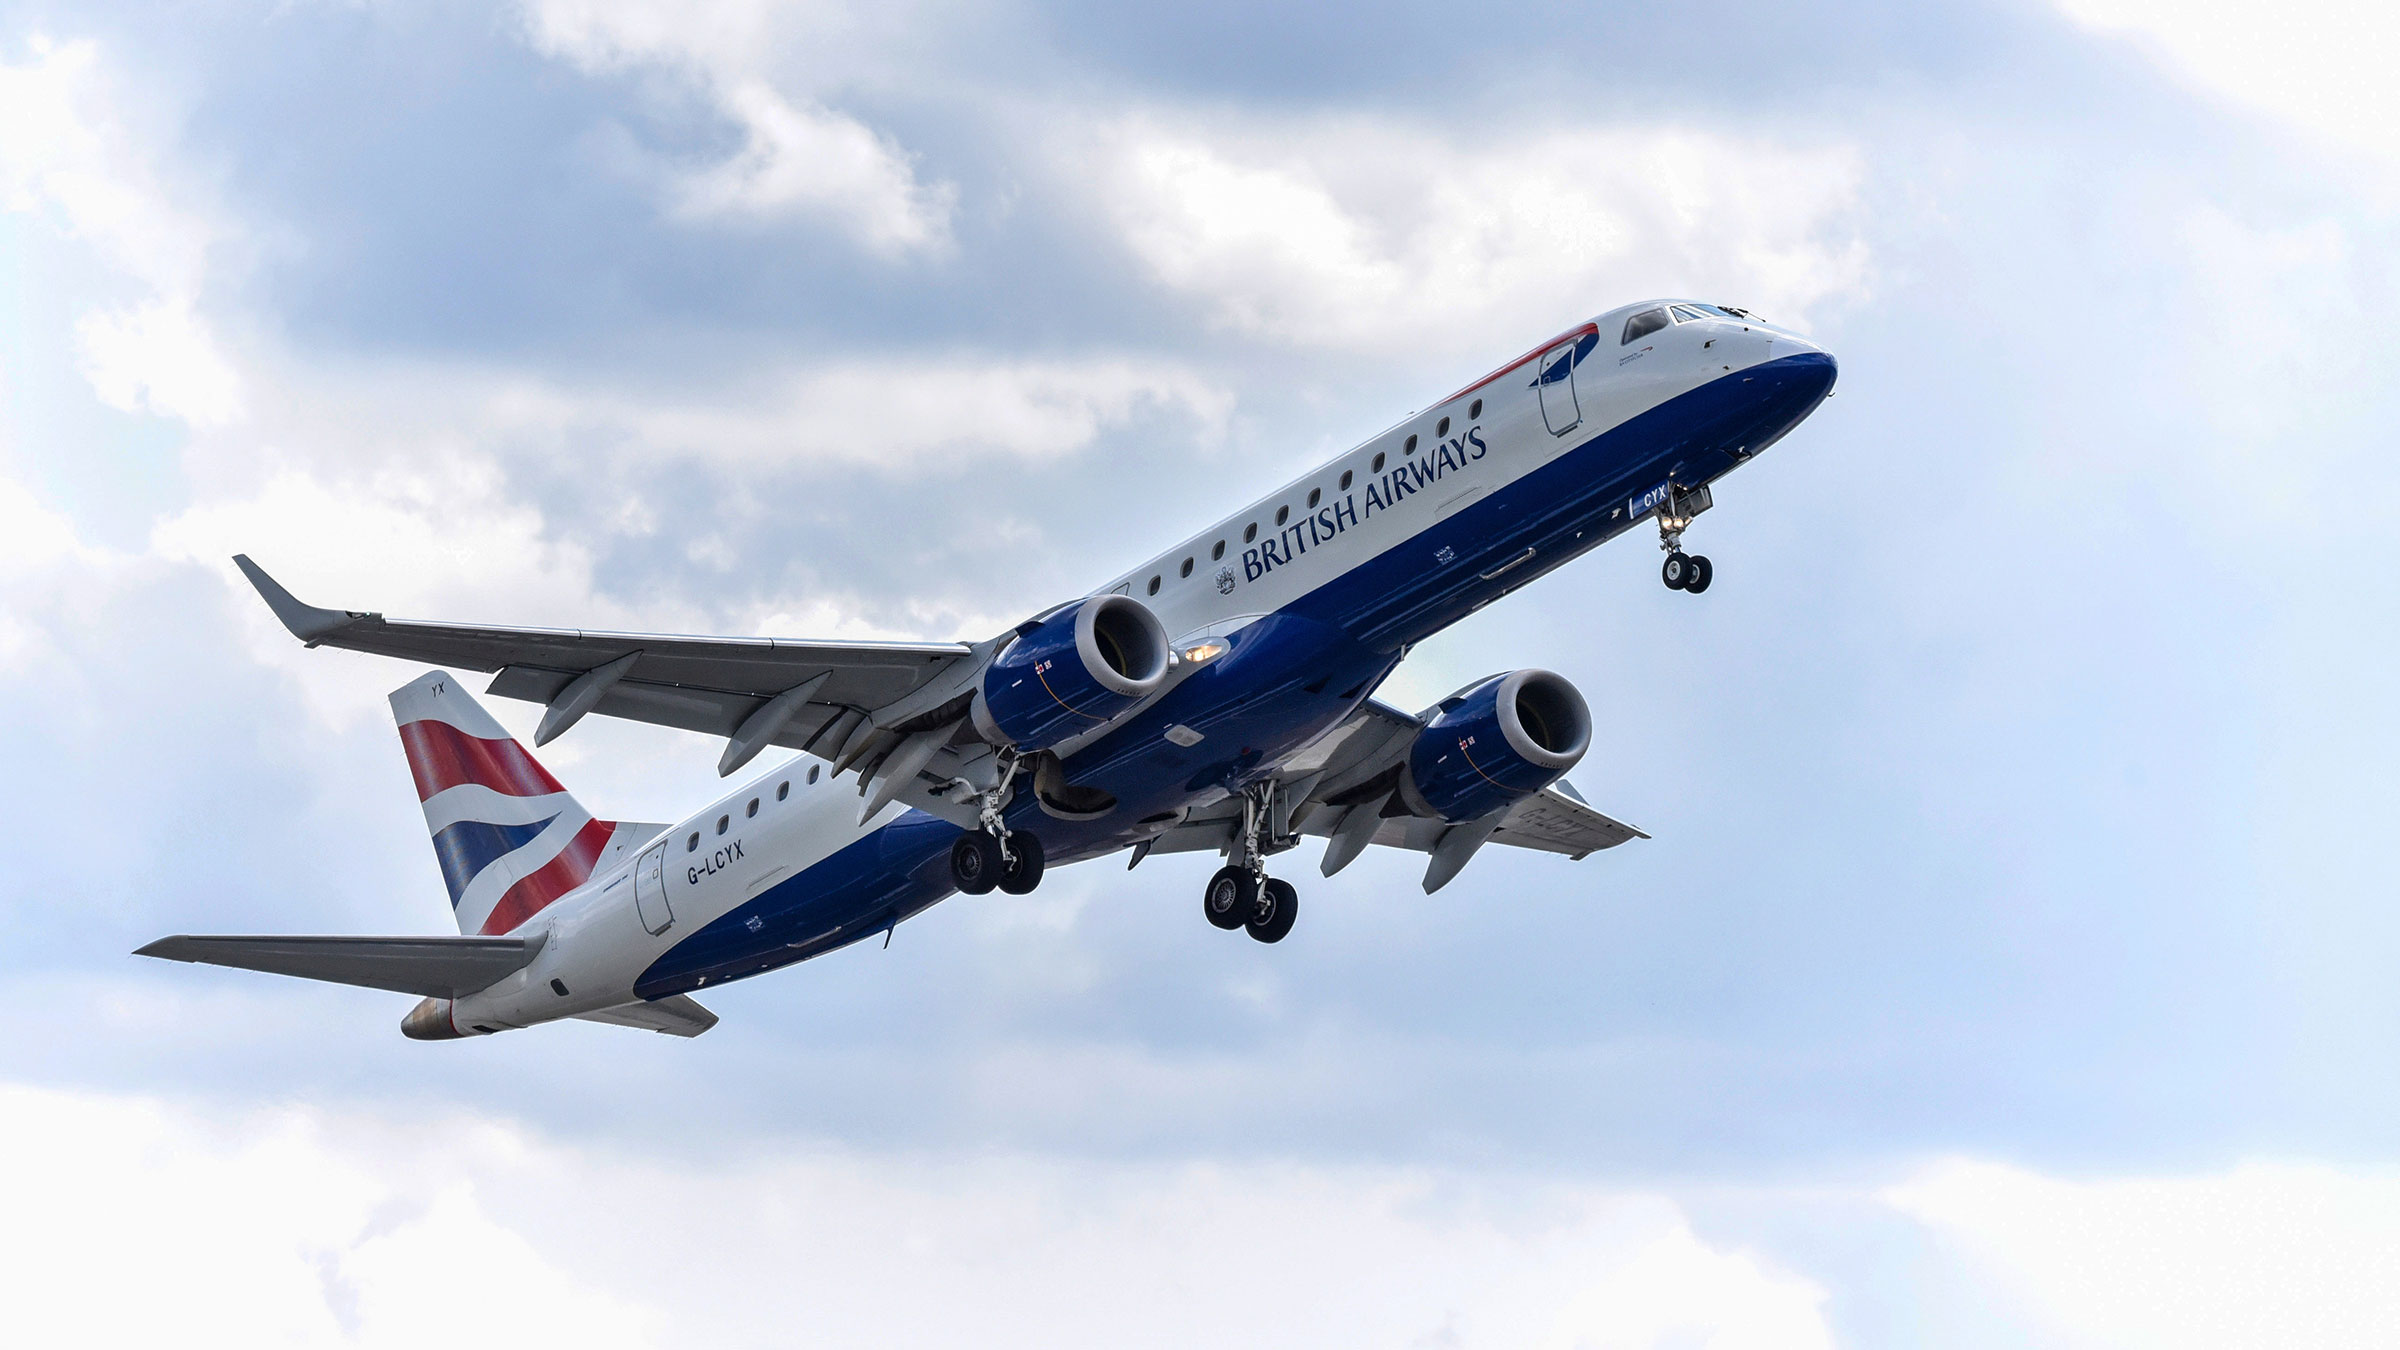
{"points": [[975, 863], [1676, 572], [1023, 870], [1231, 897], [1278, 905], [1700, 574]]}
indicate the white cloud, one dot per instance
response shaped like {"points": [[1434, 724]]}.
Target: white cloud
{"points": [[159, 357], [902, 414], [145, 1225], [69, 154], [302, 1227], [2263, 1255], [2321, 65], [41, 560], [1379, 237], [798, 157]]}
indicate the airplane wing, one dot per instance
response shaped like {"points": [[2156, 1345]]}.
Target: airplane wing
{"points": [[436, 967], [814, 696], [1344, 788]]}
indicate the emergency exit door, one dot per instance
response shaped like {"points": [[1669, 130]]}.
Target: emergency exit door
{"points": [[650, 890]]}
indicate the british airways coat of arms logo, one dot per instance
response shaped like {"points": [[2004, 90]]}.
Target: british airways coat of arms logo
{"points": [[1224, 581]]}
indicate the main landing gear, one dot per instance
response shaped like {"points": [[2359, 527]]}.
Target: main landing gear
{"points": [[1241, 894], [1683, 572], [996, 855]]}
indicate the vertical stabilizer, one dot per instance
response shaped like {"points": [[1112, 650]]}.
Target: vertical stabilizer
{"points": [[509, 837]]}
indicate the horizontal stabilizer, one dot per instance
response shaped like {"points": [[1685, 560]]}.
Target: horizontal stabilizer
{"points": [[437, 967], [674, 1015]]}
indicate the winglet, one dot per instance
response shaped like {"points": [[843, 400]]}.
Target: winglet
{"points": [[307, 622]]}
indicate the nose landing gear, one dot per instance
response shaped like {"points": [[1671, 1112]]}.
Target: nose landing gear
{"points": [[1681, 572]]}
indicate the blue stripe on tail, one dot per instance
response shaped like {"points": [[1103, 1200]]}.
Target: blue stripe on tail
{"points": [[469, 846]]}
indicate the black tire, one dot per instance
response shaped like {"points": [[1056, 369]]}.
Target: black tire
{"points": [[1023, 871], [1231, 897], [975, 863], [1701, 572], [1278, 906], [1676, 571]]}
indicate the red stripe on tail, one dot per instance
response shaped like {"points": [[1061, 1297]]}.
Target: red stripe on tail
{"points": [[570, 869], [441, 756]]}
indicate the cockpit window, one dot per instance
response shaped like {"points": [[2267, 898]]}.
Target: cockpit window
{"points": [[1646, 322], [1686, 314], [1728, 311]]}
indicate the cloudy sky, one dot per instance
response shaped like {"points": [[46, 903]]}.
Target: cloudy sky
{"points": [[2012, 964]]}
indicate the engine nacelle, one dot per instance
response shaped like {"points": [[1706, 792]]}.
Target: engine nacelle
{"points": [[1494, 742], [1074, 672]]}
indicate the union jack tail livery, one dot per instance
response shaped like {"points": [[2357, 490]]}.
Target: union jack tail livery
{"points": [[510, 838]]}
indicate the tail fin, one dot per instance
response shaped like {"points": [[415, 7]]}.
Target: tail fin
{"points": [[510, 839]]}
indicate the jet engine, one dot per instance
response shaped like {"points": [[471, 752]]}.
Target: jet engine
{"points": [[1072, 671], [1500, 739]]}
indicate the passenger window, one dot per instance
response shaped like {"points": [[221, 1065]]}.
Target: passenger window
{"points": [[1217, 552], [1250, 532], [1442, 428], [1641, 325], [1345, 484], [692, 845], [1377, 466], [1475, 410], [722, 822], [1154, 585], [1282, 514], [1187, 567], [1314, 496], [812, 773], [783, 789], [1409, 447], [752, 808]]}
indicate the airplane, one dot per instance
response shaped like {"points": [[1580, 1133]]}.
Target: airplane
{"points": [[1216, 699]]}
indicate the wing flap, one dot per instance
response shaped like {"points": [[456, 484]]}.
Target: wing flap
{"points": [[435, 967]]}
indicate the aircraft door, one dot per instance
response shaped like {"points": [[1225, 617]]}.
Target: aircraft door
{"points": [[650, 890], [1555, 379]]}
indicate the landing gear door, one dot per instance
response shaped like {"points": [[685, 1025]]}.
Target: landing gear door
{"points": [[650, 890], [1554, 377]]}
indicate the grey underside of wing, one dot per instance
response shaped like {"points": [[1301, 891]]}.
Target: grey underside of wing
{"points": [[439, 967], [705, 684], [699, 684], [674, 1015], [1350, 768]]}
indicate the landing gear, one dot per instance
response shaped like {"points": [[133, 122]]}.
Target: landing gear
{"points": [[1681, 572], [1272, 916], [1231, 897], [975, 863], [1023, 870], [996, 855], [1241, 894]]}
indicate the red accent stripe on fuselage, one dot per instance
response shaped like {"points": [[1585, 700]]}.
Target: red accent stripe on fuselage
{"points": [[1569, 336], [570, 869], [441, 756]]}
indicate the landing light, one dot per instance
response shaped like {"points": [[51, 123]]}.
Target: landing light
{"points": [[1201, 653]]}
